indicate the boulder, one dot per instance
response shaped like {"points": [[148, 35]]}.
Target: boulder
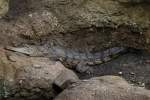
{"points": [[65, 79], [28, 77], [104, 88]]}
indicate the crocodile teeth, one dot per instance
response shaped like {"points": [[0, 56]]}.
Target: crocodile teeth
{"points": [[30, 51]]}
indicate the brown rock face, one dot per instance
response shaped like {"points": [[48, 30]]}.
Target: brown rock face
{"points": [[104, 88], [103, 22]]}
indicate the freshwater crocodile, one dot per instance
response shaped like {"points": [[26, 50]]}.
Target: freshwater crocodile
{"points": [[71, 57]]}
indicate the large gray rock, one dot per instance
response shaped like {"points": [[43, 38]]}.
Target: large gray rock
{"points": [[104, 88], [65, 79], [27, 77]]}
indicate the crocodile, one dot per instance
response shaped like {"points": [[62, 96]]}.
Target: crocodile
{"points": [[71, 57]]}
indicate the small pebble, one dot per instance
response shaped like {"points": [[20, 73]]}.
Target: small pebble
{"points": [[120, 73], [125, 65], [143, 84], [147, 61], [37, 66], [30, 15], [132, 73]]}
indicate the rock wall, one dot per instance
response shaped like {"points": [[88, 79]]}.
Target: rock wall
{"points": [[125, 24]]}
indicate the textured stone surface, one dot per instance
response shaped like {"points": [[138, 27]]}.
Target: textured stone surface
{"points": [[110, 21], [24, 76], [104, 88], [65, 79]]}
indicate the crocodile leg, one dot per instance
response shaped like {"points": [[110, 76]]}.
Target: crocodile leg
{"points": [[82, 67]]}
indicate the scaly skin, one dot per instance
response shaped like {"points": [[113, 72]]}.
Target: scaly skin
{"points": [[70, 56], [89, 58]]}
